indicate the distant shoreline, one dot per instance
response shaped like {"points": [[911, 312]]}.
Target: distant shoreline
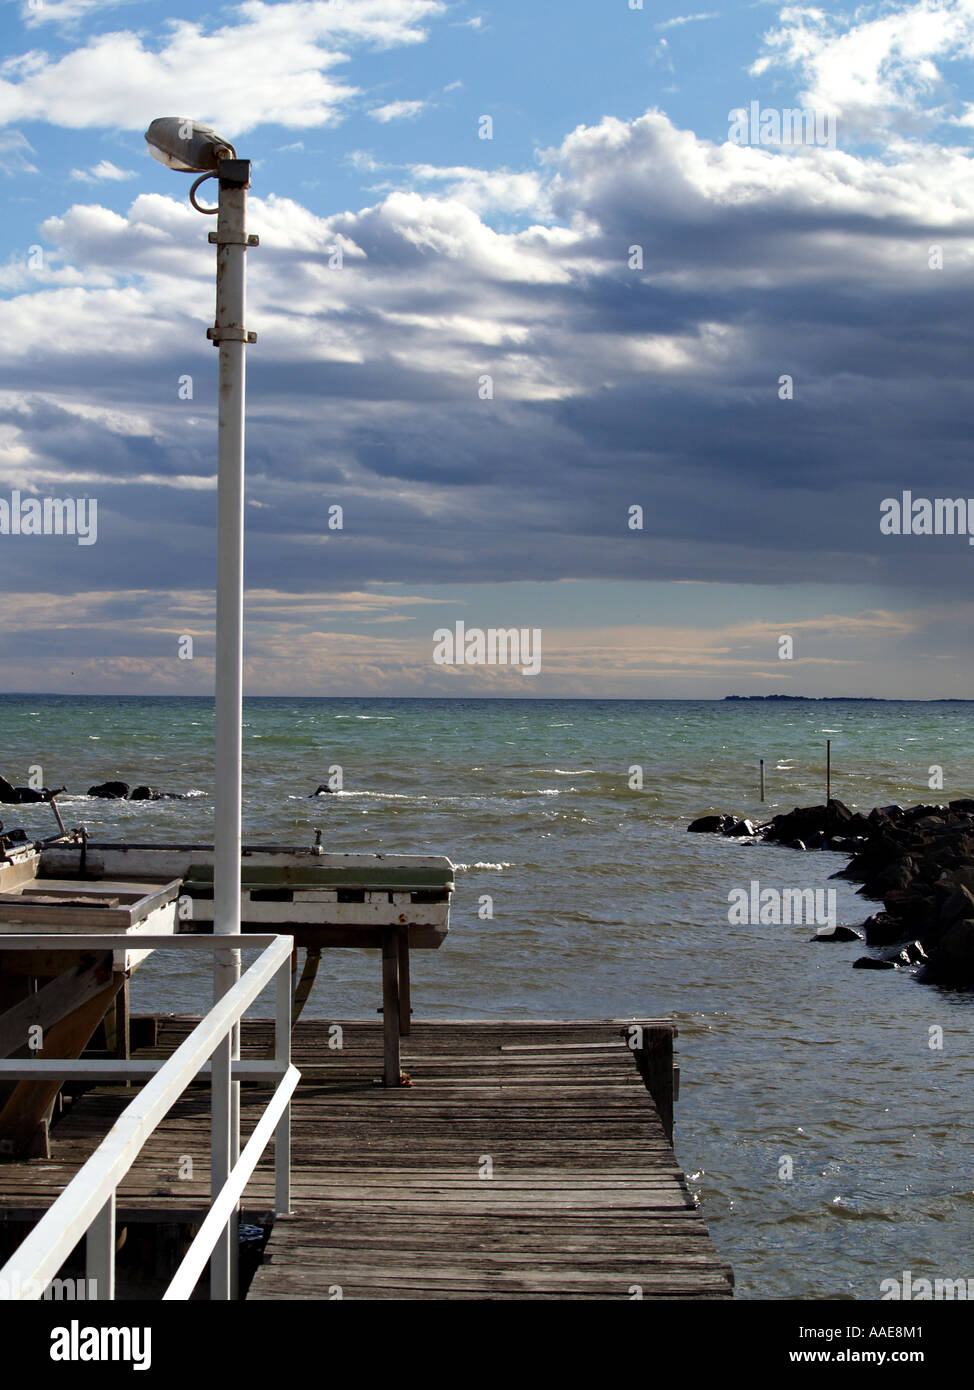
{"points": [[502, 699]]}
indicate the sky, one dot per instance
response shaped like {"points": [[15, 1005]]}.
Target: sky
{"points": [[574, 349]]}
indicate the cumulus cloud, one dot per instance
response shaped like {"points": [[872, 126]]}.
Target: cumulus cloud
{"points": [[271, 64], [102, 172], [61, 12], [489, 401], [878, 71]]}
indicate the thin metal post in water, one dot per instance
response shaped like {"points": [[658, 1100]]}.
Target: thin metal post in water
{"points": [[828, 770], [762, 779], [100, 1253]]}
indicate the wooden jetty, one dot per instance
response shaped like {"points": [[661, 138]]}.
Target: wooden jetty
{"points": [[523, 1160]]}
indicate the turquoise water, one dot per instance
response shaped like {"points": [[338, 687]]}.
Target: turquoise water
{"points": [[604, 906]]}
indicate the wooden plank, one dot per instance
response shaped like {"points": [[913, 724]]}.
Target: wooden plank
{"points": [[30, 1102], [584, 1197], [51, 1004]]}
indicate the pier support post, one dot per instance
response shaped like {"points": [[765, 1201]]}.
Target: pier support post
{"points": [[405, 1006], [655, 1061], [390, 1006]]}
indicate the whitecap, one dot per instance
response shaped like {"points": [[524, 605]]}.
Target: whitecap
{"points": [[483, 864]]}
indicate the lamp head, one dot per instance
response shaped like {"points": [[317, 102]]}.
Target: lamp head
{"points": [[186, 145]]}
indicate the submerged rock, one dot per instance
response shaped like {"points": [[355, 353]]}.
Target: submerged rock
{"points": [[839, 934], [703, 825], [739, 828], [110, 791], [872, 963], [22, 796]]}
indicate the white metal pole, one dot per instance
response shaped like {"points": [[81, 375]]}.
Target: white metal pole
{"points": [[230, 333]]}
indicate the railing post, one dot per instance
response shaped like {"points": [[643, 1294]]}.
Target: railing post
{"points": [[220, 1159], [100, 1252], [282, 1054]]}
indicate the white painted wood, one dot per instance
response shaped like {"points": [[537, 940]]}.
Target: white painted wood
{"points": [[100, 1252], [41, 1254], [101, 1070], [282, 1057]]}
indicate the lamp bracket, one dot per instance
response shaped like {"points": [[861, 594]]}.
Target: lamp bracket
{"points": [[224, 239], [230, 334]]}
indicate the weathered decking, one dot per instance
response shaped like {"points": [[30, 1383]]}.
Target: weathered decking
{"points": [[526, 1160]]}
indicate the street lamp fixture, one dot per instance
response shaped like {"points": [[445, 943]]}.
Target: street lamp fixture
{"points": [[189, 147], [186, 145]]}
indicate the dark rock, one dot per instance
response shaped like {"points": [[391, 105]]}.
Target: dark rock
{"points": [[959, 904], [839, 934], [740, 828], [110, 791], [951, 879], [22, 796], [798, 824], [847, 844], [911, 954], [883, 930], [912, 906], [27, 795], [703, 825], [951, 962], [890, 878], [914, 813], [871, 963], [963, 803], [144, 793], [324, 788], [796, 844]]}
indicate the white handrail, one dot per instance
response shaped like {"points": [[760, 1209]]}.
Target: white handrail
{"points": [[184, 1281], [87, 1204]]}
